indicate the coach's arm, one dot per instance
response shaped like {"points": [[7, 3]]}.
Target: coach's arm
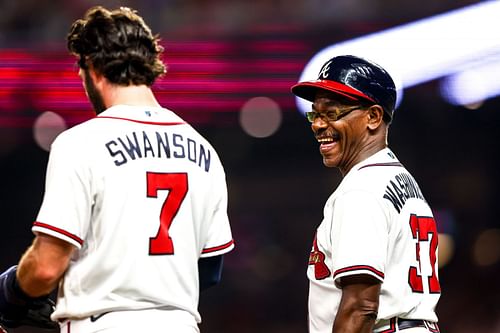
{"points": [[359, 304]]}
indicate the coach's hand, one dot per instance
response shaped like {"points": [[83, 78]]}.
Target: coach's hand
{"points": [[18, 309]]}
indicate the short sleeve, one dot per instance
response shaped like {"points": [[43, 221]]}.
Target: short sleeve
{"points": [[359, 236], [219, 239], [66, 206]]}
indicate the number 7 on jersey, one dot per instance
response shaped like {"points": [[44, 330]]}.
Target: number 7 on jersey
{"points": [[177, 185]]}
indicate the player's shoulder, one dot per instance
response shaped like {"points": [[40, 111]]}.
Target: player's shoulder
{"points": [[374, 173], [73, 134], [383, 180]]}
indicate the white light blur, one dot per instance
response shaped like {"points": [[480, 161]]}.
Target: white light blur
{"points": [[423, 50], [47, 127], [473, 85], [260, 117]]}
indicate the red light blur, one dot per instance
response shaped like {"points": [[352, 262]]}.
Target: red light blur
{"points": [[204, 78]]}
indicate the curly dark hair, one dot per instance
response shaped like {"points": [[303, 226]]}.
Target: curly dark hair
{"points": [[117, 44]]}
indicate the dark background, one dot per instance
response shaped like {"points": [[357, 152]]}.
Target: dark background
{"points": [[277, 185]]}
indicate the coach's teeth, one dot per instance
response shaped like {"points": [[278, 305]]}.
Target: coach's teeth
{"points": [[325, 140]]}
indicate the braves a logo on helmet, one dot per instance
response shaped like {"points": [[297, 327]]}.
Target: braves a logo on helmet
{"points": [[323, 74], [317, 258]]}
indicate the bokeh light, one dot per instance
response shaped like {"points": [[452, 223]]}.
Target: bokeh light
{"points": [[446, 249], [47, 127], [486, 250], [260, 117]]}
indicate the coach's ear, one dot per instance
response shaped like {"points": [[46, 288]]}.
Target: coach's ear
{"points": [[375, 116]]}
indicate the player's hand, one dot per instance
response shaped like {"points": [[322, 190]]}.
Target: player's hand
{"points": [[18, 309], [37, 315], [12, 306]]}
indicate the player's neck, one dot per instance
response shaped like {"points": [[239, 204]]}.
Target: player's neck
{"points": [[133, 95]]}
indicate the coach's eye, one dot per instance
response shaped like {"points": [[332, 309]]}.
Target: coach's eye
{"points": [[332, 115]]}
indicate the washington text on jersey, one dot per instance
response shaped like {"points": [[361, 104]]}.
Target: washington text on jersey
{"points": [[400, 189]]}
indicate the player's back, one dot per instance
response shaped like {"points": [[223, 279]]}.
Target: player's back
{"points": [[152, 201]]}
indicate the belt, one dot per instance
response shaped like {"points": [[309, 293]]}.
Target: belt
{"points": [[410, 323], [398, 324]]}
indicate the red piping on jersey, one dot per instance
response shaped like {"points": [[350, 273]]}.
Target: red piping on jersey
{"points": [[430, 325], [142, 122], [396, 164], [392, 326], [357, 268], [218, 248], [61, 231]]}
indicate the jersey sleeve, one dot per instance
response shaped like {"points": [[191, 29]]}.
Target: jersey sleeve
{"points": [[66, 206], [219, 238], [359, 236]]}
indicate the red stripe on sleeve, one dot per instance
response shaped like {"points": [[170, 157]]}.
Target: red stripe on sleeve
{"points": [[61, 231], [218, 248], [358, 268]]}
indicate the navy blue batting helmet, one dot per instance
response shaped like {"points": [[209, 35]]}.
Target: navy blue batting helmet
{"points": [[355, 78]]}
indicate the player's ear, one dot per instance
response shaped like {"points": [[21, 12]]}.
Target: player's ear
{"points": [[100, 81], [375, 116], [96, 76]]}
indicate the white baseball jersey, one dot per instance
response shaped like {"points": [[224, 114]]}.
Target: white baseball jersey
{"points": [[378, 223], [142, 196]]}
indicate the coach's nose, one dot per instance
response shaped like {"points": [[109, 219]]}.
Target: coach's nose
{"points": [[319, 123]]}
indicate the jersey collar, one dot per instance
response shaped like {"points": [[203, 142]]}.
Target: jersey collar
{"points": [[384, 157], [141, 113]]}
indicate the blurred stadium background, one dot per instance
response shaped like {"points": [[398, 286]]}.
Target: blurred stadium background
{"points": [[231, 64]]}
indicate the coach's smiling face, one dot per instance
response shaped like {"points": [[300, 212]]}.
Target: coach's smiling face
{"points": [[345, 132]]}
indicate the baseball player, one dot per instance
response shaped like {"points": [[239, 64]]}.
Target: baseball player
{"points": [[134, 217], [373, 263]]}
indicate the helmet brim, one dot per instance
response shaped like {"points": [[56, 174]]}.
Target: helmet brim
{"points": [[308, 90]]}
